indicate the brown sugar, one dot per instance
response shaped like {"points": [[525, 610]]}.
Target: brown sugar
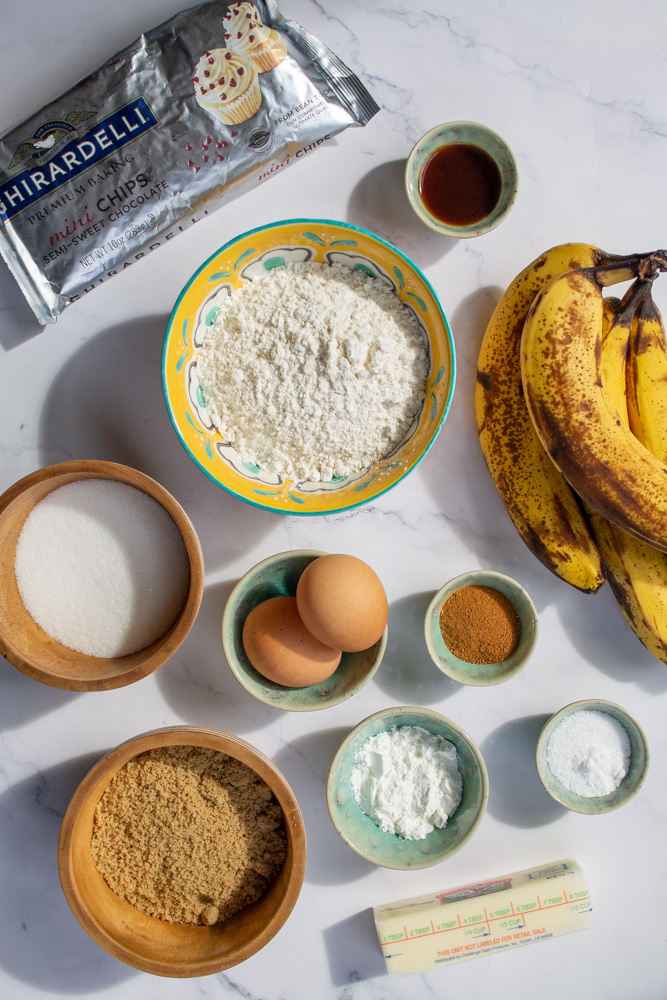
{"points": [[480, 625], [188, 835]]}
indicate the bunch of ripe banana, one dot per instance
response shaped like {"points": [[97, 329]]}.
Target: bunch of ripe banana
{"points": [[571, 407]]}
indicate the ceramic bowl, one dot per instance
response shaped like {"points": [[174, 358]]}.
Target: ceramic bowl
{"points": [[278, 576], [231, 267], [34, 652], [632, 782], [481, 674], [150, 944], [473, 134], [387, 849]]}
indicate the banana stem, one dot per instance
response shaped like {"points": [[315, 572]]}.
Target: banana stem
{"points": [[603, 258], [654, 263], [634, 297], [647, 308], [660, 258], [644, 266]]}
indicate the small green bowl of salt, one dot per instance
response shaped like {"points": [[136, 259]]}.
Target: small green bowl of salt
{"points": [[592, 756]]}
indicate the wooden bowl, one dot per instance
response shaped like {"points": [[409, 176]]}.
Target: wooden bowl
{"points": [[26, 645], [152, 945]]}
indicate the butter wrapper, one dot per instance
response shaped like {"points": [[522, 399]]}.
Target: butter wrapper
{"points": [[484, 918], [194, 113]]}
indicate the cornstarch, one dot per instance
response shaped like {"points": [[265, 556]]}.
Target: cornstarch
{"points": [[314, 371], [101, 567], [408, 781], [589, 753]]}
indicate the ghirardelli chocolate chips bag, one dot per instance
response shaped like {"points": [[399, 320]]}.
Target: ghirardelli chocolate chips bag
{"points": [[194, 113]]}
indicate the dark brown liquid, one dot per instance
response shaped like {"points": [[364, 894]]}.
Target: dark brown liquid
{"points": [[460, 184]]}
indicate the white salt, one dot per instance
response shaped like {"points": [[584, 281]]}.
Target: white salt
{"points": [[589, 753], [101, 567]]}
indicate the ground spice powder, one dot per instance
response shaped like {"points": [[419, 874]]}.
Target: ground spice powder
{"points": [[480, 625], [188, 835]]}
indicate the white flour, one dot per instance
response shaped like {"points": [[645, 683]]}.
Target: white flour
{"points": [[408, 781], [589, 753], [313, 371]]}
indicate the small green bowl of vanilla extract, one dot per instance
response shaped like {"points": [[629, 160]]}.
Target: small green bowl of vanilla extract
{"points": [[461, 179]]}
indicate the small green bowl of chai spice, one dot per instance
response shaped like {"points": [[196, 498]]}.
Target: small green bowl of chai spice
{"points": [[481, 628]]}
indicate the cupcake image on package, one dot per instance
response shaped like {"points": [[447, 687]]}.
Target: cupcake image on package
{"points": [[245, 32], [227, 86]]}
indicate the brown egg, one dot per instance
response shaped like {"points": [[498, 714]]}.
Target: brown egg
{"points": [[342, 602], [281, 648]]}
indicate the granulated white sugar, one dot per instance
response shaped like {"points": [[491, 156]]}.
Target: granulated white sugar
{"points": [[589, 753], [314, 371], [101, 567]]}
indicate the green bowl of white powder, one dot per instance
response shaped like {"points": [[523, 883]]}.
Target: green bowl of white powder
{"points": [[407, 788], [592, 756]]}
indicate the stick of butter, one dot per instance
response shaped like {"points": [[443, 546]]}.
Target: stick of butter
{"points": [[483, 918]]}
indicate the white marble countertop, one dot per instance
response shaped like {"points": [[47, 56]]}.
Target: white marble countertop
{"points": [[578, 92]]}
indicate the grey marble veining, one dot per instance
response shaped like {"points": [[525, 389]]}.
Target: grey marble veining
{"points": [[578, 92]]}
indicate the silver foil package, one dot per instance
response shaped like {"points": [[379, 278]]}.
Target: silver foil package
{"points": [[194, 113]]}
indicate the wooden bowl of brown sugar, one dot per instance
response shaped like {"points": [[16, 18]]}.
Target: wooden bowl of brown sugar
{"points": [[182, 852], [481, 628]]}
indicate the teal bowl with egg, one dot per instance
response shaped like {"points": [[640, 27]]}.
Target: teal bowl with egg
{"points": [[631, 783], [388, 850], [278, 576]]}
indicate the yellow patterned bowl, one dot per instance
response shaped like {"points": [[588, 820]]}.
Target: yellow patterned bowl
{"points": [[238, 262]]}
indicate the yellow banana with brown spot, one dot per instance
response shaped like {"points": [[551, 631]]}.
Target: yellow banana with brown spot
{"points": [[637, 572], [646, 379], [637, 575], [540, 503], [618, 319], [572, 413], [613, 351]]}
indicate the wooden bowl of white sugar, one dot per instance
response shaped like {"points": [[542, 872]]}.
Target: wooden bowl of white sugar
{"points": [[102, 575]]}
